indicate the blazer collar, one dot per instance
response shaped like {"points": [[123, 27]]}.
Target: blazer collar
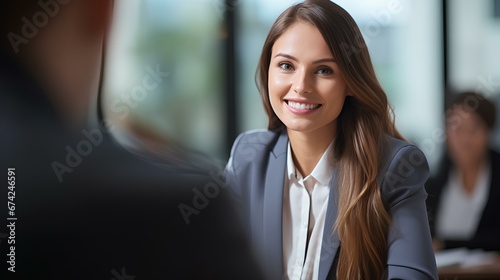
{"points": [[279, 148], [331, 243], [273, 207]]}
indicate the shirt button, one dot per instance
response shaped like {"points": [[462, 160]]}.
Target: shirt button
{"points": [[304, 225]]}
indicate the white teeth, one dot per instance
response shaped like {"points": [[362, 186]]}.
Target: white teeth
{"points": [[302, 106]]}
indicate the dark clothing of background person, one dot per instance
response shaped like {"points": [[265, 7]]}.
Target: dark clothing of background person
{"points": [[487, 235], [113, 216]]}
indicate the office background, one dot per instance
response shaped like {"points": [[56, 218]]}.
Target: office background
{"points": [[205, 53]]}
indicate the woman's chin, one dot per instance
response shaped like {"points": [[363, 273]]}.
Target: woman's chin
{"points": [[299, 127]]}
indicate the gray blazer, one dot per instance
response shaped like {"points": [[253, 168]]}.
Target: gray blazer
{"points": [[255, 174]]}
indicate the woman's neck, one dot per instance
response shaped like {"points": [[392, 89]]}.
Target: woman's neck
{"points": [[308, 147]]}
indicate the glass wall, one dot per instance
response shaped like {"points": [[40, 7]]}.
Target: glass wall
{"points": [[474, 50], [163, 78]]}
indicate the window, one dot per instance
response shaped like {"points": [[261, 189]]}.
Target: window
{"points": [[474, 45], [163, 77]]}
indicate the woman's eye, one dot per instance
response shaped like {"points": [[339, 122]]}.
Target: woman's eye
{"points": [[286, 66], [325, 71]]}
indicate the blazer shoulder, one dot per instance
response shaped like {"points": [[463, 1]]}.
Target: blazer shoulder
{"points": [[394, 145], [256, 140], [495, 176], [250, 148], [495, 158], [256, 136], [405, 170], [395, 149]]}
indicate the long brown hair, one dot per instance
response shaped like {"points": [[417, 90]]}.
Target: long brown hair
{"points": [[363, 221]]}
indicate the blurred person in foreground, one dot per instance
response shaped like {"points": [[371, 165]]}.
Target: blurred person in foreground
{"points": [[84, 208], [464, 195]]}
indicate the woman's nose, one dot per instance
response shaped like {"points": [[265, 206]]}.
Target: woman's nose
{"points": [[301, 83]]}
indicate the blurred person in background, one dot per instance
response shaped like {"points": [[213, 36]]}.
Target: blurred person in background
{"points": [[464, 195], [85, 207]]}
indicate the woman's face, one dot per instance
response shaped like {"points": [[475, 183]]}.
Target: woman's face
{"points": [[306, 88], [467, 135]]}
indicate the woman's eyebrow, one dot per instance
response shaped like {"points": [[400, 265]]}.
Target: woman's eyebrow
{"points": [[286, 56], [328, 59]]}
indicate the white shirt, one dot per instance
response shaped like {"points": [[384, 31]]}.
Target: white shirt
{"points": [[460, 212], [304, 209]]}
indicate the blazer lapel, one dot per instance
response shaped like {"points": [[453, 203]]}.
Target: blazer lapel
{"points": [[273, 207], [330, 243]]}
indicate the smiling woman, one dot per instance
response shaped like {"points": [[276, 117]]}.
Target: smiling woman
{"points": [[306, 88], [331, 189]]}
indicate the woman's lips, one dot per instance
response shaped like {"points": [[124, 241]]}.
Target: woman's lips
{"points": [[301, 108]]}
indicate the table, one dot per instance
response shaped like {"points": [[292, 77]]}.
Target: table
{"points": [[490, 271]]}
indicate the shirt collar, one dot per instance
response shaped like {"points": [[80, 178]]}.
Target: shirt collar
{"points": [[322, 172]]}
